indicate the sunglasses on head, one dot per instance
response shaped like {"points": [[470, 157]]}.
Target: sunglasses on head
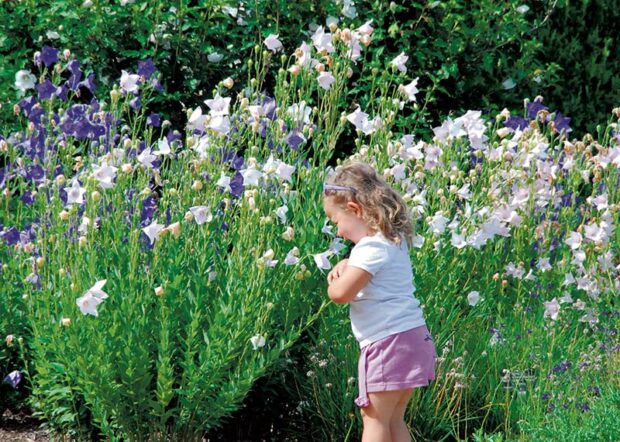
{"points": [[330, 189]]}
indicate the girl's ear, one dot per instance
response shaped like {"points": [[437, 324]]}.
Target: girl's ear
{"points": [[354, 208]]}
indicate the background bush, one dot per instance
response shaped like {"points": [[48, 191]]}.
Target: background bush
{"points": [[475, 54]]}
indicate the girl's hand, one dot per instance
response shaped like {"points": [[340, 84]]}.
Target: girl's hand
{"points": [[337, 271]]}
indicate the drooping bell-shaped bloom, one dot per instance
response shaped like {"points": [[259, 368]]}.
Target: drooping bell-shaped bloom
{"points": [[146, 158], [291, 257], [202, 214], [75, 193], [92, 298], [322, 40], [281, 213], [399, 62], [410, 90], [257, 341], [251, 175], [24, 80], [321, 260], [153, 231], [326, 79], [552, 309], [224, 182], [473, 298], [220, 124], [219, 105], [105, 175], [129, 82], [272, 43], [13, 378], [285, 171]]}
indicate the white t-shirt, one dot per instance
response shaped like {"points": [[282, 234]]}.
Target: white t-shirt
{"points": [[386, 305]]}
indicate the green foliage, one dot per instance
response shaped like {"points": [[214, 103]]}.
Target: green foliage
{"points": [[579, 42], [108, 37]]}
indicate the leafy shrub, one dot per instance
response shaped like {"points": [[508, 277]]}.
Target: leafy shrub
{"points": [[521, 321], [585, 53]]}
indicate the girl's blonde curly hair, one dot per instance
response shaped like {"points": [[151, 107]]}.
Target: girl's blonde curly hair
{"points": [[383, 209]]}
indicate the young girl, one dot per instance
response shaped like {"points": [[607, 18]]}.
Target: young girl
{"points": [[397, 350]]}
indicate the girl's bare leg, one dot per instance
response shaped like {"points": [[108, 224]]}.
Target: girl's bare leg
{"points": [[377, 416], [398, 427]]}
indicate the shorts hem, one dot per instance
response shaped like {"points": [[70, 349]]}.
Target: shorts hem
{"points": [[392, 386]]}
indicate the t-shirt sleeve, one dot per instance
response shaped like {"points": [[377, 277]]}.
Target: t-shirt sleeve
{"points": [[369, 255]]}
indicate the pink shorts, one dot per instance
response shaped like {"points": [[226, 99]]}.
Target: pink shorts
{"points": [[397, 362]]}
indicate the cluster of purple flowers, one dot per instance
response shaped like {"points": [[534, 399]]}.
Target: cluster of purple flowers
{"points": [[83, 122], [560, 122]]}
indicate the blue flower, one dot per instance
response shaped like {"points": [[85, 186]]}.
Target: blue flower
{"points": [[149, 206], [562, 367], [533, 108], [49, 55], [236, 185], [46, 90], [135, 103], [516, 123], [13, 378], [27, 198], [89, 83], [11, 236], [294, 139], [146, 68], [562, 123], [76, 74], [153, 120]]}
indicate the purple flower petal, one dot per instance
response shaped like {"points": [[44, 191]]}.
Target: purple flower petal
{"points": [[516, 123], [135, 103], [13, 378], [562, 123], [27, 198], [153, 120], [11, 236], [236, 185], [49, 55], [294, 139], [89, 83], [533, 108], [46, 90], [146, 68]]}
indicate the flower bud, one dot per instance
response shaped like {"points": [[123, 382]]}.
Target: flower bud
{"points": [[159, 291], [175, 229], [64, 215], [228, 83], [66, 322], [60, 180], [289, 234], [197, 185], [82, 241], [189, 216], [115, 95], [502, 132], [9, 340], [127, 168], [95, 196], [40, 262], [294, 70], [66, 54]]}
